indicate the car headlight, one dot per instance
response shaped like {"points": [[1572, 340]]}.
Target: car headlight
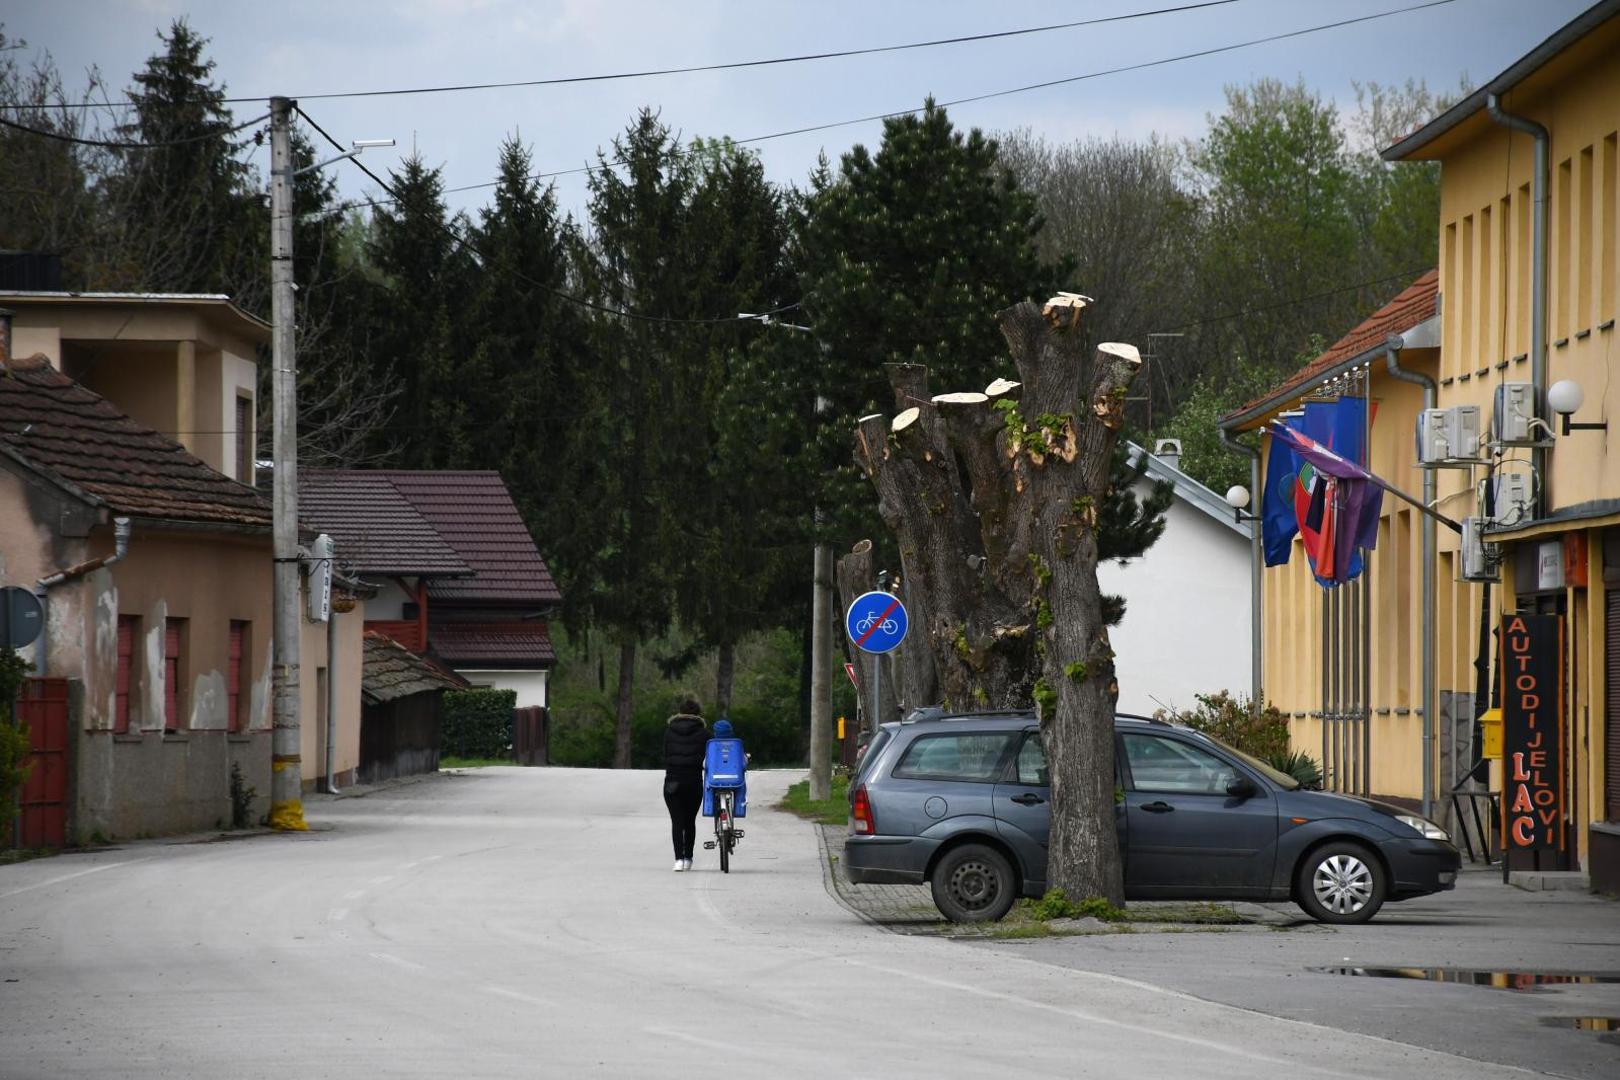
{"points": [[1426, 828]]}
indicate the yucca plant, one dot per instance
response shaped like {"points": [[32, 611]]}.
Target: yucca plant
{"points": [[1300, 765]]}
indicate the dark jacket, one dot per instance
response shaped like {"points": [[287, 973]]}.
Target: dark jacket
{"points": [[684, 741]]}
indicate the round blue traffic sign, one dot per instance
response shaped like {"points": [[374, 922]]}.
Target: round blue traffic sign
{"points": [[876, 622]]}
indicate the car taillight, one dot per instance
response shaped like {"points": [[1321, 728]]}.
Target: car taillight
{"points": [[861, 813]]}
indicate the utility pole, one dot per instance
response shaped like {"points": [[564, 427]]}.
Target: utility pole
{"points": [[821, 675], [286, 763]]}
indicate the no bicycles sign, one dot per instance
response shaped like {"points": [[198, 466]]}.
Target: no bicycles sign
{"points": [[876, 622]]}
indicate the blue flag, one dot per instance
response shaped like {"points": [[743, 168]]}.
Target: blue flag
{"points": [[1278, 521]]}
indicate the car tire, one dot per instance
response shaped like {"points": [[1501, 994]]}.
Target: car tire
{"points": [[1342, 883], [973, 883]]}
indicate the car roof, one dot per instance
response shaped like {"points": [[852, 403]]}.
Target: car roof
{"points": [[928, 717]]}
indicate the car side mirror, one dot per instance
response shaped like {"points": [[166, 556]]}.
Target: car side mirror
{"points": [[1241, 787]]}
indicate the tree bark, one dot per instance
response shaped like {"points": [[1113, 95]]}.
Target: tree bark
{"points": [[993, 498], [621, 727]]}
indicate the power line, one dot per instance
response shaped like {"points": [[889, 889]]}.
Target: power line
{"points": [[462, 241], [112, 145], [696, 68], [357, 203]]}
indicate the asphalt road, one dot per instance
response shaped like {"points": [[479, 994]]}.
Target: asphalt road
{"points": [[511, 922]]}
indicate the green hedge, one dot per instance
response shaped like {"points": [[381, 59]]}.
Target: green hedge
{"points": [[477, 723]]}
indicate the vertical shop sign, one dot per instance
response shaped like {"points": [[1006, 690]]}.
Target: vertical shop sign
{"points": [[1532, 714]]}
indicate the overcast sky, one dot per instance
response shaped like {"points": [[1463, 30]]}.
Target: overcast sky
{"points": [[302, 47]]}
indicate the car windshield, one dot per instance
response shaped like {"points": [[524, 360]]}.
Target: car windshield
{"points": [[1276, 776]]}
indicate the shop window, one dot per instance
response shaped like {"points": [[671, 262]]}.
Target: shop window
{"points": [[174, 674], [129, 635]]}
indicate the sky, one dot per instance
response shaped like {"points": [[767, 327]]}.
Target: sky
{"points": [[304, 47]]}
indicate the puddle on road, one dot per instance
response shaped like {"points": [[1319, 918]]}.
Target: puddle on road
{"points": [[1583, 1023], [1498, 980]]}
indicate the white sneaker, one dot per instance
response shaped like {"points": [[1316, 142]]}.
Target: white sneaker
{"points": [[680, 864], [686, 864]]}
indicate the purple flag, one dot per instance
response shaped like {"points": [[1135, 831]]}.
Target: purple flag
{"points": [[1359, 499]]}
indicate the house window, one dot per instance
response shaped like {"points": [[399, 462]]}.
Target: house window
{"points": [[174, 671], [129, 632], [244, 440], [236, 677]]}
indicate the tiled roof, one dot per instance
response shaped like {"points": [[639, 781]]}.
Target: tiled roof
{"points": [[1411, 306], [390, 671], [474, 512], [501, 644], [75, 436], [375, 527]]}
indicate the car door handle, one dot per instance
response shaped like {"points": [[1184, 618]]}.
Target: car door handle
{"points": [[1160, 807], [1028, 799]]}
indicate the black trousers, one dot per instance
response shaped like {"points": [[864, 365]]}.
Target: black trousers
{"points": [[683, 795]]}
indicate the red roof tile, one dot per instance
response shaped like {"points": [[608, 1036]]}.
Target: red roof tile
{"points": [[76, 437], [1411, 306], [375, 527], [502, 644], [474, 512]]}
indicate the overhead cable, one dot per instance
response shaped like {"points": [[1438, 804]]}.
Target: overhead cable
{"points": [[115, 145]]}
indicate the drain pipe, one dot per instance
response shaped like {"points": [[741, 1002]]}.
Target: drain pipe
{"points": [[1392, 359], [1256, 638], [1538, 276], [331, 701], [41, 587]]}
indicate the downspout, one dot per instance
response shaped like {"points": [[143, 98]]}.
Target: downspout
{"points": [[331, 701], [1538, 275], [1392, 358], [41, 587], [1256, 639]]}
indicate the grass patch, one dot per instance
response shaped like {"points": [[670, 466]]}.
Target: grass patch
{"points": [[449, 762], [1202, 913], [17, 855], [833, 810]]}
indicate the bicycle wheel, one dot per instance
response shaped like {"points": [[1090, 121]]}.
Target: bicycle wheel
{"points": [[722, 829]]}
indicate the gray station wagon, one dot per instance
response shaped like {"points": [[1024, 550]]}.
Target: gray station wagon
{"points": [[961, 802]]}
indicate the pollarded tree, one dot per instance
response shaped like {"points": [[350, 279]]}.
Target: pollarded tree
{"points": [[995, 500]]}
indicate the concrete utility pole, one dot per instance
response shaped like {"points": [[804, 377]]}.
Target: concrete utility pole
{"points": [[821, 675], [286, 764]]}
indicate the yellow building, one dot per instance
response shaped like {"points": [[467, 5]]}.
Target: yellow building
{"points": [[1523, 312]]}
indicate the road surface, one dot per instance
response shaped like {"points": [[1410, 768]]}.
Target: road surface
{"points": [[525, 922]]}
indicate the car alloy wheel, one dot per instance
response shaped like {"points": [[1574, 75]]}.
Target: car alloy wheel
{"points": [[1343, 884]]}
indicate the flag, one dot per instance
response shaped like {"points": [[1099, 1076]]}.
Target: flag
{"points": [[1278, 521], [1341, 511]]}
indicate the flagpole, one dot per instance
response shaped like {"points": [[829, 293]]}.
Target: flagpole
{"points": [[1291, 438]]}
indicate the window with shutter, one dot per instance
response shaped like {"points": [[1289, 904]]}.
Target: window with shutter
{"points": [[1611, 708], [129, 632], [244, 440], [236, 676], [173, 672]]}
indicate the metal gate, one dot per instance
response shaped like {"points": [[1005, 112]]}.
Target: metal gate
{"points": [[43, 706]]}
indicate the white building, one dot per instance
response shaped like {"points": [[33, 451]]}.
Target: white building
{"points": [[1186, 629]]}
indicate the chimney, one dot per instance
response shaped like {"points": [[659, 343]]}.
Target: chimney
{"points": [[5, 338], [1169, 452]]}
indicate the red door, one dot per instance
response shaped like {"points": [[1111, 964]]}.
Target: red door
{"points": [[43, 706]]}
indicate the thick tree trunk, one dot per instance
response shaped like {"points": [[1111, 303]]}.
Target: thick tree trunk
{"points": [[621, 726], [725, 676], [993, 498]]}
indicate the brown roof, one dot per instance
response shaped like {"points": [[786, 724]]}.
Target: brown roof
{"points": [[75, 437], [391, 671], [524, 644], [376, 528], [1411, 306], [475, 514]]}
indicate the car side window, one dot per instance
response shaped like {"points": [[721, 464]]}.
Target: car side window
{"points": [[1031, 762], [955, 756], [1160, 764]]}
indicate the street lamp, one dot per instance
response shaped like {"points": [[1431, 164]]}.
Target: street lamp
{"points": [[1237, 497], [1565, 398], [286, 761]]}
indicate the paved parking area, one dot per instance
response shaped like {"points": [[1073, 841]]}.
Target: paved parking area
{"points": [[1282, 965]]}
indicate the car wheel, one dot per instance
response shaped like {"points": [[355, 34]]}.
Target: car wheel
{"points": [[1341, 883], [973, 883]]}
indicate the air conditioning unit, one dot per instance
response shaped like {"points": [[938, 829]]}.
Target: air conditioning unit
{"points": [[1448, 438], [1512, 415], [1510, 499], [1478, 564]]}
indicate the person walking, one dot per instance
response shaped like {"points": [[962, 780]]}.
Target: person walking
{"points": [[685, 738]]}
